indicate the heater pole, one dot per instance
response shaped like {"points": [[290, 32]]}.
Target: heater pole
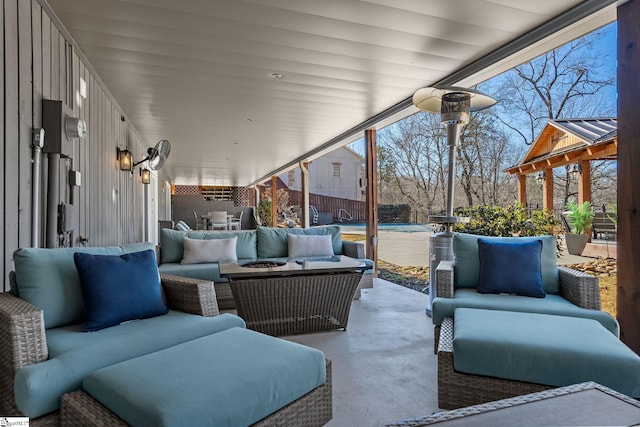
{"points": [[453, 134]]}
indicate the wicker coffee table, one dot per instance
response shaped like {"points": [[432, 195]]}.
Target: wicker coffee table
{"points": [[295, 297]]}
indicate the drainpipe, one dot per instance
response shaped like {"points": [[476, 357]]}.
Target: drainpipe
{"points": [[38, 143]]}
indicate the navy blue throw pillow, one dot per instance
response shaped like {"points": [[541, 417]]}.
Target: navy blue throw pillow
{"points": [[117, 288], [510, 268]]}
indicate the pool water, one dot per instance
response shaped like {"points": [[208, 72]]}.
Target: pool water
{"points": [[406, 228]]}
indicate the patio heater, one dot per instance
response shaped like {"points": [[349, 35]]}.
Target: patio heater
{"points": [[454, 105]]}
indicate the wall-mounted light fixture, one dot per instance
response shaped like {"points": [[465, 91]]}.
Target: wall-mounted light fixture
{"points": [[145, 175], [575, 170], [125, 159], [540, 177]]}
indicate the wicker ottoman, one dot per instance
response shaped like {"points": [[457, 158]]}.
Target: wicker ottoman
{"points": [[498, 354], [235, 377]]}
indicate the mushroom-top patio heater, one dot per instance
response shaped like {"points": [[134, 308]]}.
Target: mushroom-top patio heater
{"points": [[454, 105]]}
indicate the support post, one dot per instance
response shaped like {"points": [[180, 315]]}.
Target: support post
{"points": [[274, 201], [628, 296], [371, 200], [304, 177]]}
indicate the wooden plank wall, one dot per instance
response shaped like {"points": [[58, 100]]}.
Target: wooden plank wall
{"points": [[40, 62]]}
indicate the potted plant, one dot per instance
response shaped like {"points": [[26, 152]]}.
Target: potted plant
{"points": [[580, 217]]}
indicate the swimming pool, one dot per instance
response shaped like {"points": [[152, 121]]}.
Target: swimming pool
{"points": [[405, 228]]}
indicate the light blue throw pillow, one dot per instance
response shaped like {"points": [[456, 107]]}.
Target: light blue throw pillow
{"points": [[118, 288], [510, 268]]}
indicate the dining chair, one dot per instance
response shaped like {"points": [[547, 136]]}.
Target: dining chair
{"points": [[200, 222], [236, 222], [219, 220]]}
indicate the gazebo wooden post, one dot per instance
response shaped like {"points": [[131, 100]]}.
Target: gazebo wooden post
{"points": [[628, 297], [371, 201], [584, 182], [547, 190], [274, 201], [522, 189], [584, 187]]}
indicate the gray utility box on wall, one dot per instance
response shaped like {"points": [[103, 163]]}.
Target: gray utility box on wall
{"points": [[54, 114]]}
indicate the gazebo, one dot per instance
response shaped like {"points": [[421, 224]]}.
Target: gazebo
{"points": [[567, 142]]}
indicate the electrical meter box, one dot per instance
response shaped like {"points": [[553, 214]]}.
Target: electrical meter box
{"points": [[54, 114]]}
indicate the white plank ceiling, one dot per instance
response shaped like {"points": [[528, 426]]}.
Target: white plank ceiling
{"points": [[201, 72]]}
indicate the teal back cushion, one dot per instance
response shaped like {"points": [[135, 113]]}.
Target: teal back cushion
{"points": [[272, 242], [48, 279], [467, 260], [171, 245], [173, 249]]}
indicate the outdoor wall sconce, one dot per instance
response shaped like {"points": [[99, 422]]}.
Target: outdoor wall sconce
{"points": [[145, 175], [540, 177], [576, 170], [125, 159]]}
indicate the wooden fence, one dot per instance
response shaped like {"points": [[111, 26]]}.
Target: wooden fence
{"points": [[333, 205]]}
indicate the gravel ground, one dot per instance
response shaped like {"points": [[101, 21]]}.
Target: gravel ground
{"points": [[416, 278]]}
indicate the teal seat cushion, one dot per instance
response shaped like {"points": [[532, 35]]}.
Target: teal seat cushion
{"points": [[233, 378], [172, 249], [48, 279], [542, 349], [74, 354], [272, 242], [467, 260], [551, 304]]}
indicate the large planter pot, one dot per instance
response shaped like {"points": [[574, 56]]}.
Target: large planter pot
{"points": [[576, 243]]}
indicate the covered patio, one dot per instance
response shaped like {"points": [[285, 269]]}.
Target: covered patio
{"points": [[247, 90]]}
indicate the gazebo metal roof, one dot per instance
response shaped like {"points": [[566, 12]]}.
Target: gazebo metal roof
{"points": [[566, 141]]}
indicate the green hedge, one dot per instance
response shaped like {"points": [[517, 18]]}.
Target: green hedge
{"points": [[512, 220]]}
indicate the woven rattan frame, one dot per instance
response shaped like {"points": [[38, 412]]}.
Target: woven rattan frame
{"points": [[289, 305], [577, 287], [23, 341], [190, 295], [313, 409], [457, 389]]}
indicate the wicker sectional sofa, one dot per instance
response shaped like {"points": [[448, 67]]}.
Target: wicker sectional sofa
{"points": [[262, 243], [45, 352]]}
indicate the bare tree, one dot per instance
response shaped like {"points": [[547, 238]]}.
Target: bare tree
{"points": [[412, 162], [567, 82]]}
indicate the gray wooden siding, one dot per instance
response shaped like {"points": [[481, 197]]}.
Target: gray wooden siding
{"points": [[40, 62]]}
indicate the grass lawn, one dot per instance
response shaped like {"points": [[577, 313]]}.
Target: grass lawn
{"points": [[608, 291]]}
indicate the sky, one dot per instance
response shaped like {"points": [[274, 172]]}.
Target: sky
{"points": [[607, 44]]}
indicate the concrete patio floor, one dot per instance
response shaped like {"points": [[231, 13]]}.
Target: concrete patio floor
{"points": [[384, 368]]}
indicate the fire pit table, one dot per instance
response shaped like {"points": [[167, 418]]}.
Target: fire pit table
{"points": [[294, 297]]}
